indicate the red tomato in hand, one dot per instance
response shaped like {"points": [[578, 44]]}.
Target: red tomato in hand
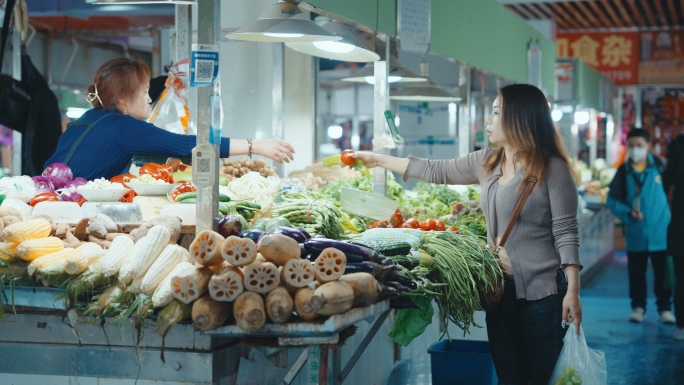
{"points": [[346, 157], [428, 225], [439, 225]]}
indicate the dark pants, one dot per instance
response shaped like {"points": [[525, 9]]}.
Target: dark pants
{"points": [[679, 290], [526, 337], [637, 264]]}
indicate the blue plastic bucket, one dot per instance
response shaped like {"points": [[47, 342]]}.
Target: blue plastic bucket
{"points": [[462, 363]]}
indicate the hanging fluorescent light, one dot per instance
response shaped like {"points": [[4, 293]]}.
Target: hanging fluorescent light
{"points": [[556, 115], [397, 74], [427, 91], [581, 117], [283, 22], [136, 2], [347, 49]]}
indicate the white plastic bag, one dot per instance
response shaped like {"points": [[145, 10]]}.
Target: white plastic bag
{"points": [[258, 370], [171, 111], [18, 187], [578, 363]]}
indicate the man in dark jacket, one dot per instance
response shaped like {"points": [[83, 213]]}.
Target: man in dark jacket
{"points": [[637, 198], [673, 179]]}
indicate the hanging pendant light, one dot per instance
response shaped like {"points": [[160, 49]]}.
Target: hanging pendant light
{"points": [[141, 2], [283, 22], [427, 91], [347, 49], [397, 74]]}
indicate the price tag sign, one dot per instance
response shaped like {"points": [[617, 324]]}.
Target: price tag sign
{"points": [[413, 25], [204, 65], [203, 165]]}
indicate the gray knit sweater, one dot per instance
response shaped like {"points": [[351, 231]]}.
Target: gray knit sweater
{"points": [[545, 235]]}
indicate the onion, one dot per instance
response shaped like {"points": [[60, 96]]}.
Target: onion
{"points": [[42, 182], [59, 173], [70, 195], [76, 182]]}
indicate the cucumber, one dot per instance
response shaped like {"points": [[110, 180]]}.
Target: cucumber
{"points": [[186, 195], [224, 198], [387, 248], [188, 200], [261, 223]]}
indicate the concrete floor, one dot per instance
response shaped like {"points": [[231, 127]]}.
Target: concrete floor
{"points": [[636, 354]]}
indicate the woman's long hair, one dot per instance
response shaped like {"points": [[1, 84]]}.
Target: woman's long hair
{"points": [[526, 122]]}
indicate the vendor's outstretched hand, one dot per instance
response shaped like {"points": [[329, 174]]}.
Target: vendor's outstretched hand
{"points": [[370, 159], [276, 149]]}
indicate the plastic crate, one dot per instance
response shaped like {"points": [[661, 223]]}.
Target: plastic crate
{"points": [[460, 362]]}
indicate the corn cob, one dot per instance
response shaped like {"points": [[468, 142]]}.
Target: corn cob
{"points": [[31, 229], [116, 255], [84, 256], [162, 295], [38, 264], [8, 251], [144, 254], [167, 260], [34, 248]]}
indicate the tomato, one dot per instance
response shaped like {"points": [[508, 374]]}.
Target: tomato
{"points": [[428, 225], [381, 224], [413, 223], [397, 219], [453, 229], [346, 157], [44, 197], [405, 225], [439, 225]]}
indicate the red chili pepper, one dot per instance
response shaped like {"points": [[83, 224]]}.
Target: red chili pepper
{"points": [[158, 171], [81, 201], [123, 179], [128, 197], [44, 197]]}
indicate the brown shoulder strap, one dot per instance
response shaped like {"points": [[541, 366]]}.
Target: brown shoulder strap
{"points": [[518, 208]]}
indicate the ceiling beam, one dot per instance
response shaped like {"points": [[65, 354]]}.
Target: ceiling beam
{"points": [[560, 20], [587, 12], [611, 12], [624, 13], [601, 15], [661, 12], [515, 10], [532, 11], [577, 14], [637, 14], [649, 14], [673, 12], [573, 23], [547, 14], [523, 11]]}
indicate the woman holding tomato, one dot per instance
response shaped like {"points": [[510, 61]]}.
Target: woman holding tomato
{"points": [[541, 258], [102, 142]]}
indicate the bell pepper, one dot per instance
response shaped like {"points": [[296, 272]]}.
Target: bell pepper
{"points": [[44, 197], [123, 179], [128, 197], [158, 171]]}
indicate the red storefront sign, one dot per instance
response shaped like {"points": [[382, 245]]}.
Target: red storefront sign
{"points": [[616, 55]]}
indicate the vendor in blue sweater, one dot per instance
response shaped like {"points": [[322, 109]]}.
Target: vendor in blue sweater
{"points": [[637, 198], [102, 142]]}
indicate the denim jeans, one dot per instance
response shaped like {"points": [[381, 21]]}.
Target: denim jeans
{"points": [[526, 337], [637, 264]]}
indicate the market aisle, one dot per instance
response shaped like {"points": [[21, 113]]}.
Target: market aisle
{"points": [[636, 354]]}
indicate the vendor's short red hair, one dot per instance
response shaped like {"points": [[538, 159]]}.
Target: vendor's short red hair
{"points": [[118, 80]]}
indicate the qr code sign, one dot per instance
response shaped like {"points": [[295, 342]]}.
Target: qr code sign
{"points": [[204, 71], [203, 165]]}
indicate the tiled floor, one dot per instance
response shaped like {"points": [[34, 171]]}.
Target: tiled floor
{"points": [[636, 354]]}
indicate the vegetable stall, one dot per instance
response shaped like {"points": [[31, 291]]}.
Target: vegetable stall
{"points": [[292, 264]]}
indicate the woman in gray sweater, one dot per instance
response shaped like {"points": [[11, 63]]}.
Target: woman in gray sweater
{"points": [[541, 257]]}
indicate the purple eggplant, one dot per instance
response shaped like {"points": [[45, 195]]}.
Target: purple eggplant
{"points": [[360, 267], [253, 234], [230, 225], [290, 232], [354, 253], [306, 233]]}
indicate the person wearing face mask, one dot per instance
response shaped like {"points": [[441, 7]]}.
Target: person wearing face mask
{"points": [[541, 258], [102, 142], [638, 199]]}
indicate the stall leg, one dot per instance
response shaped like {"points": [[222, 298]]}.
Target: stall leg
{"points": [[323, 369], [297, 367]]}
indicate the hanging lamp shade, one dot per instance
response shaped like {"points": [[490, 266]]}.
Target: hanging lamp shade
{"points": [[427, 91], [281, 23], [349, 48], [140, 2], [397, 74]]}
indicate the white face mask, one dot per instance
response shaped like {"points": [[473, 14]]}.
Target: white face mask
{"points": [[637, 153]]}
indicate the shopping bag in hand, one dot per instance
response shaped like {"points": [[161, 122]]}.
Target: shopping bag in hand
{"points": [[578, 363]]}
